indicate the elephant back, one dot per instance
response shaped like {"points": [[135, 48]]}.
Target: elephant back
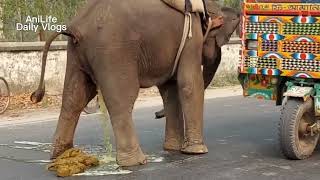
{"points": [[180, 5]]}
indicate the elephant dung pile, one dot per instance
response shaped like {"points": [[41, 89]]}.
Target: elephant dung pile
{"points": [[72, 161]]}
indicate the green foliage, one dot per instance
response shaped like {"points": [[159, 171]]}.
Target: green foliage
{"points": [[16, 11], [233, 3]]}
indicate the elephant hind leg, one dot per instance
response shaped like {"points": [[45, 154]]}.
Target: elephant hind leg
{"points": [[174, 131], [78, 91], [119, 85]]}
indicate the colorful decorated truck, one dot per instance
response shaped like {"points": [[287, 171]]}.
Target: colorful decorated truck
{"points": [[280, 61]]}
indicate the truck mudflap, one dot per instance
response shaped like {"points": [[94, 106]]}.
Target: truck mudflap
{"points": [[299, 91], [306, 92]]}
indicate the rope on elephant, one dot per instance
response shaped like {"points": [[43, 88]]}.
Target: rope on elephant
{"points": [[187, 33], [208, 29]]}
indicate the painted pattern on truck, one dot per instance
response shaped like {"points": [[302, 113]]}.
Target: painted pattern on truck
{"points": [[280, 38]]}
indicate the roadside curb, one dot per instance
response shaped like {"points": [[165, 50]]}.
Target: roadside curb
{"points": [[25, 119], [47, 115], [209, 94]]}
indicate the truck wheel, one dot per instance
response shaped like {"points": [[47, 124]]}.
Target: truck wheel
{"points": [[295, 141], [4, 95]]}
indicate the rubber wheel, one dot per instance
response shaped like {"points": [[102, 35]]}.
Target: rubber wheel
{"points": [[4, 95], [295, 142], [160, 114]]}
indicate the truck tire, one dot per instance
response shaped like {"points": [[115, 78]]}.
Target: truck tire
{"points": [[295, 142]]}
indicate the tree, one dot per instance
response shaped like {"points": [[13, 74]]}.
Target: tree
{"points": [[233, 3], [16, 11]]}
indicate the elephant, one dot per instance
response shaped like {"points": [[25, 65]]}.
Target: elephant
{"points": [[122, 46], [211, 61], [210, 69]]}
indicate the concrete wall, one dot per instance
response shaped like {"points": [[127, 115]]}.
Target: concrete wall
{"points": [[228, 69], [20, 64]]}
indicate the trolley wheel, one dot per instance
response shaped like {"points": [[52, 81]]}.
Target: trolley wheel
{"points": [[159, 114], [295, 141], [4, 95]]}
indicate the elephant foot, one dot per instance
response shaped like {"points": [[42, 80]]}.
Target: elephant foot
{"points": [[131, 159], [172, 145], [194, 148], [59, 149]]}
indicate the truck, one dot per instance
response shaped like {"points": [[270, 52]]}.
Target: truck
{"points": [[280, 61]]}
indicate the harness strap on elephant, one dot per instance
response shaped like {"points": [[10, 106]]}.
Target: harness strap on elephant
{"points": [[187, 33], [187, 7]]}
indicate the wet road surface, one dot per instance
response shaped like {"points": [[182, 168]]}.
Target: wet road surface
{"points": [[241, 135]]}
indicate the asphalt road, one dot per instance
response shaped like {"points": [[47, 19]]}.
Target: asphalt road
{"points": [[241, 135]]}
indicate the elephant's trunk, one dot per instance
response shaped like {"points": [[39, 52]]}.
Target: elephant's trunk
{"points": [[210, 68], [38, 95], [207, 76]]}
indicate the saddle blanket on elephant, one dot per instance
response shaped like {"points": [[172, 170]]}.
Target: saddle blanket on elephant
{"points": [[180, 5]]}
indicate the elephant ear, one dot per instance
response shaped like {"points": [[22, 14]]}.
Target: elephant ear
{"points": [[222, 38]]}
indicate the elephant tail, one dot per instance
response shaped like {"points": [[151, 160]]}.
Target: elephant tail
{"points": [[38, 95]]}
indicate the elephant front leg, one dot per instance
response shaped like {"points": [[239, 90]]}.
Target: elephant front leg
{"points": [[120, 103], [174, 132], [192, 100], [119, 85], [191, 94]]}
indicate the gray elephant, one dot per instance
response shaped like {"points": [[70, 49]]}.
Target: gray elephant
{"points": [[121, 46], [210, 69]]}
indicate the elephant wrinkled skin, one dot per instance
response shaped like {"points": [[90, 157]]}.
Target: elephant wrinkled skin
{"points": [[211, 56], [121, 46]]}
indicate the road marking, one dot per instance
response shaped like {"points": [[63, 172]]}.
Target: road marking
{"points": [[269, 174], [21, 122], [6, 124]]}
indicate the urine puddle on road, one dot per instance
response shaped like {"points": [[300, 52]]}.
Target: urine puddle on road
{"points": [[108, 165]]}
